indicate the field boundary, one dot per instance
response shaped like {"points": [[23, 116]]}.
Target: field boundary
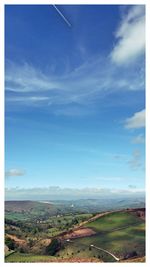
{"points": [[6, 256]]}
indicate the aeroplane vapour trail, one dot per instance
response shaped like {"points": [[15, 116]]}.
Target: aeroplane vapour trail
{"points": [[60, 13]]}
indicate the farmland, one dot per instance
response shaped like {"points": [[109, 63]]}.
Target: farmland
{"points": [[35, 235], [120, 233]]}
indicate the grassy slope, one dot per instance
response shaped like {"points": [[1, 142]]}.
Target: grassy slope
{"points": [[19, 257], [119, 242], [113, 221]]}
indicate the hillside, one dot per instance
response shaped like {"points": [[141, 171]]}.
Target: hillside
{"points": [[29, 206], [26, 206], [121, 233], [26, 210], [79, 237]]}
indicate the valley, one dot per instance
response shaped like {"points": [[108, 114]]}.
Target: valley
{"points": [[57, 232]]}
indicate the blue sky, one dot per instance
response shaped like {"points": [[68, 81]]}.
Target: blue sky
{"points": [[75, 97]]}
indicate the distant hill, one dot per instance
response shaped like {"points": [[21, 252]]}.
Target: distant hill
{"points": [[102, 204], [24, 210], [50, 208], [26, 206]]}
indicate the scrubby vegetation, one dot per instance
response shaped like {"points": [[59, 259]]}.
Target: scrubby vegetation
{"points": [[121, 233], [68, 236], [53, 247]]}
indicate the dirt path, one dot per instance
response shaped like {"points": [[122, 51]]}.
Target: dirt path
{"points": [[106, 251]]}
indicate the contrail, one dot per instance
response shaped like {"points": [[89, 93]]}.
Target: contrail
{"points": [[59, 12]]}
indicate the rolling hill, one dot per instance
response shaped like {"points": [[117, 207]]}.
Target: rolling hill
{"points": [[121, 233], [32, 227]]}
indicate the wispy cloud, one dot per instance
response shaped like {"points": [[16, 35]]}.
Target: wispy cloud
{"points": [[87, 84], [135, 163], [136, 121], [26, 78], [132, 186], [139, 139], [130, 36], [14, 172]]}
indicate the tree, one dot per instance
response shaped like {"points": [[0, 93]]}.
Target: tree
{"points": [[23, 249], [35, 230], [10, 243], [30, 242], [53, 247], [75, 221]]}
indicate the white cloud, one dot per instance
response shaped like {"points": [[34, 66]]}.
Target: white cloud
{"points": [[136, 121], [139, 139], [58, 193], [130, 36], [135, 162], [14, 172]]}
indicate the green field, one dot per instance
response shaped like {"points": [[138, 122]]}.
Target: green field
{"points": [[16, 216], [120, 233], [129, 237], [113, 221], [20, 257], [51, 227]]}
